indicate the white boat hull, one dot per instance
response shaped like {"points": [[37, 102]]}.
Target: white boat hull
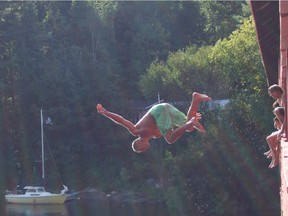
{"points": [[36, 199]]}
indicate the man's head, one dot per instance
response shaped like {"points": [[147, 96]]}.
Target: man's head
{"points": [[275, 91], [277, 123], [140, 145], [280, 113]]}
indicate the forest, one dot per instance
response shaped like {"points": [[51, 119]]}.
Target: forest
{"points": [[66, 56]]}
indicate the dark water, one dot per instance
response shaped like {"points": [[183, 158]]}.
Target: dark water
{"points": [[87, 208]]}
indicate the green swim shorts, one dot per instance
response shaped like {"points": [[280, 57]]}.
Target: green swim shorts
{"points": [[167, 117]]}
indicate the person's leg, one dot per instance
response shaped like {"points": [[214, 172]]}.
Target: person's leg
{"points": [[196, 99], [117, 119], [273, 144], [275, 160], [173, 134], [270, 139]]}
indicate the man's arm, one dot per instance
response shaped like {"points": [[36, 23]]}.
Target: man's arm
{"points": [[118, 119]]}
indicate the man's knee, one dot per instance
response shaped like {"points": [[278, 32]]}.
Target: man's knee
{"points": [[169, 141], [271, 138]]}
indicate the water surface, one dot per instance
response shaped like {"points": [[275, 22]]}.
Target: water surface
{"points": [[87, 208]]}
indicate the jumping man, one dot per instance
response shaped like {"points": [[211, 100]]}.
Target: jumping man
{"points": [[161, 120]]}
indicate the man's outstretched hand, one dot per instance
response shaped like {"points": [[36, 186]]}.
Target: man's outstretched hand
{"points": [[100, 109]]}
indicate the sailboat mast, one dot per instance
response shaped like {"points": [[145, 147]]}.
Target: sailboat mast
{"points": [[42, 147]]}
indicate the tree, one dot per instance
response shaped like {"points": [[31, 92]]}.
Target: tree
{"points": [[236, 133], [222, 18]]}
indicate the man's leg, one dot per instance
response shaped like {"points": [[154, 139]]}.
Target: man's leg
{"points": [[196, 99], [173, 134], [270, 139], [273, 144], [117, 119]]}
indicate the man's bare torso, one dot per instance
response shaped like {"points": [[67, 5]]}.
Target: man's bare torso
{"points": [[147, 127]]}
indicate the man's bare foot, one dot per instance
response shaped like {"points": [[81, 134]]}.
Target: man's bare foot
{"points": [[273, 163], [195, 123], [198, 116], [201, 130], [100, 109], [267, 153], [200, 97]]}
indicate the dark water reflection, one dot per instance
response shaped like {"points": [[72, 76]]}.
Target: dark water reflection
{"points": [[87, 208], [29, 210]]}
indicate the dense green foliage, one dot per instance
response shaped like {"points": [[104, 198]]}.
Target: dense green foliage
{"points": [[66, 57]]}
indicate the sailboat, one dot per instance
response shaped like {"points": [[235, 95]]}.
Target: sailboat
{"points": [[38, 194]]}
